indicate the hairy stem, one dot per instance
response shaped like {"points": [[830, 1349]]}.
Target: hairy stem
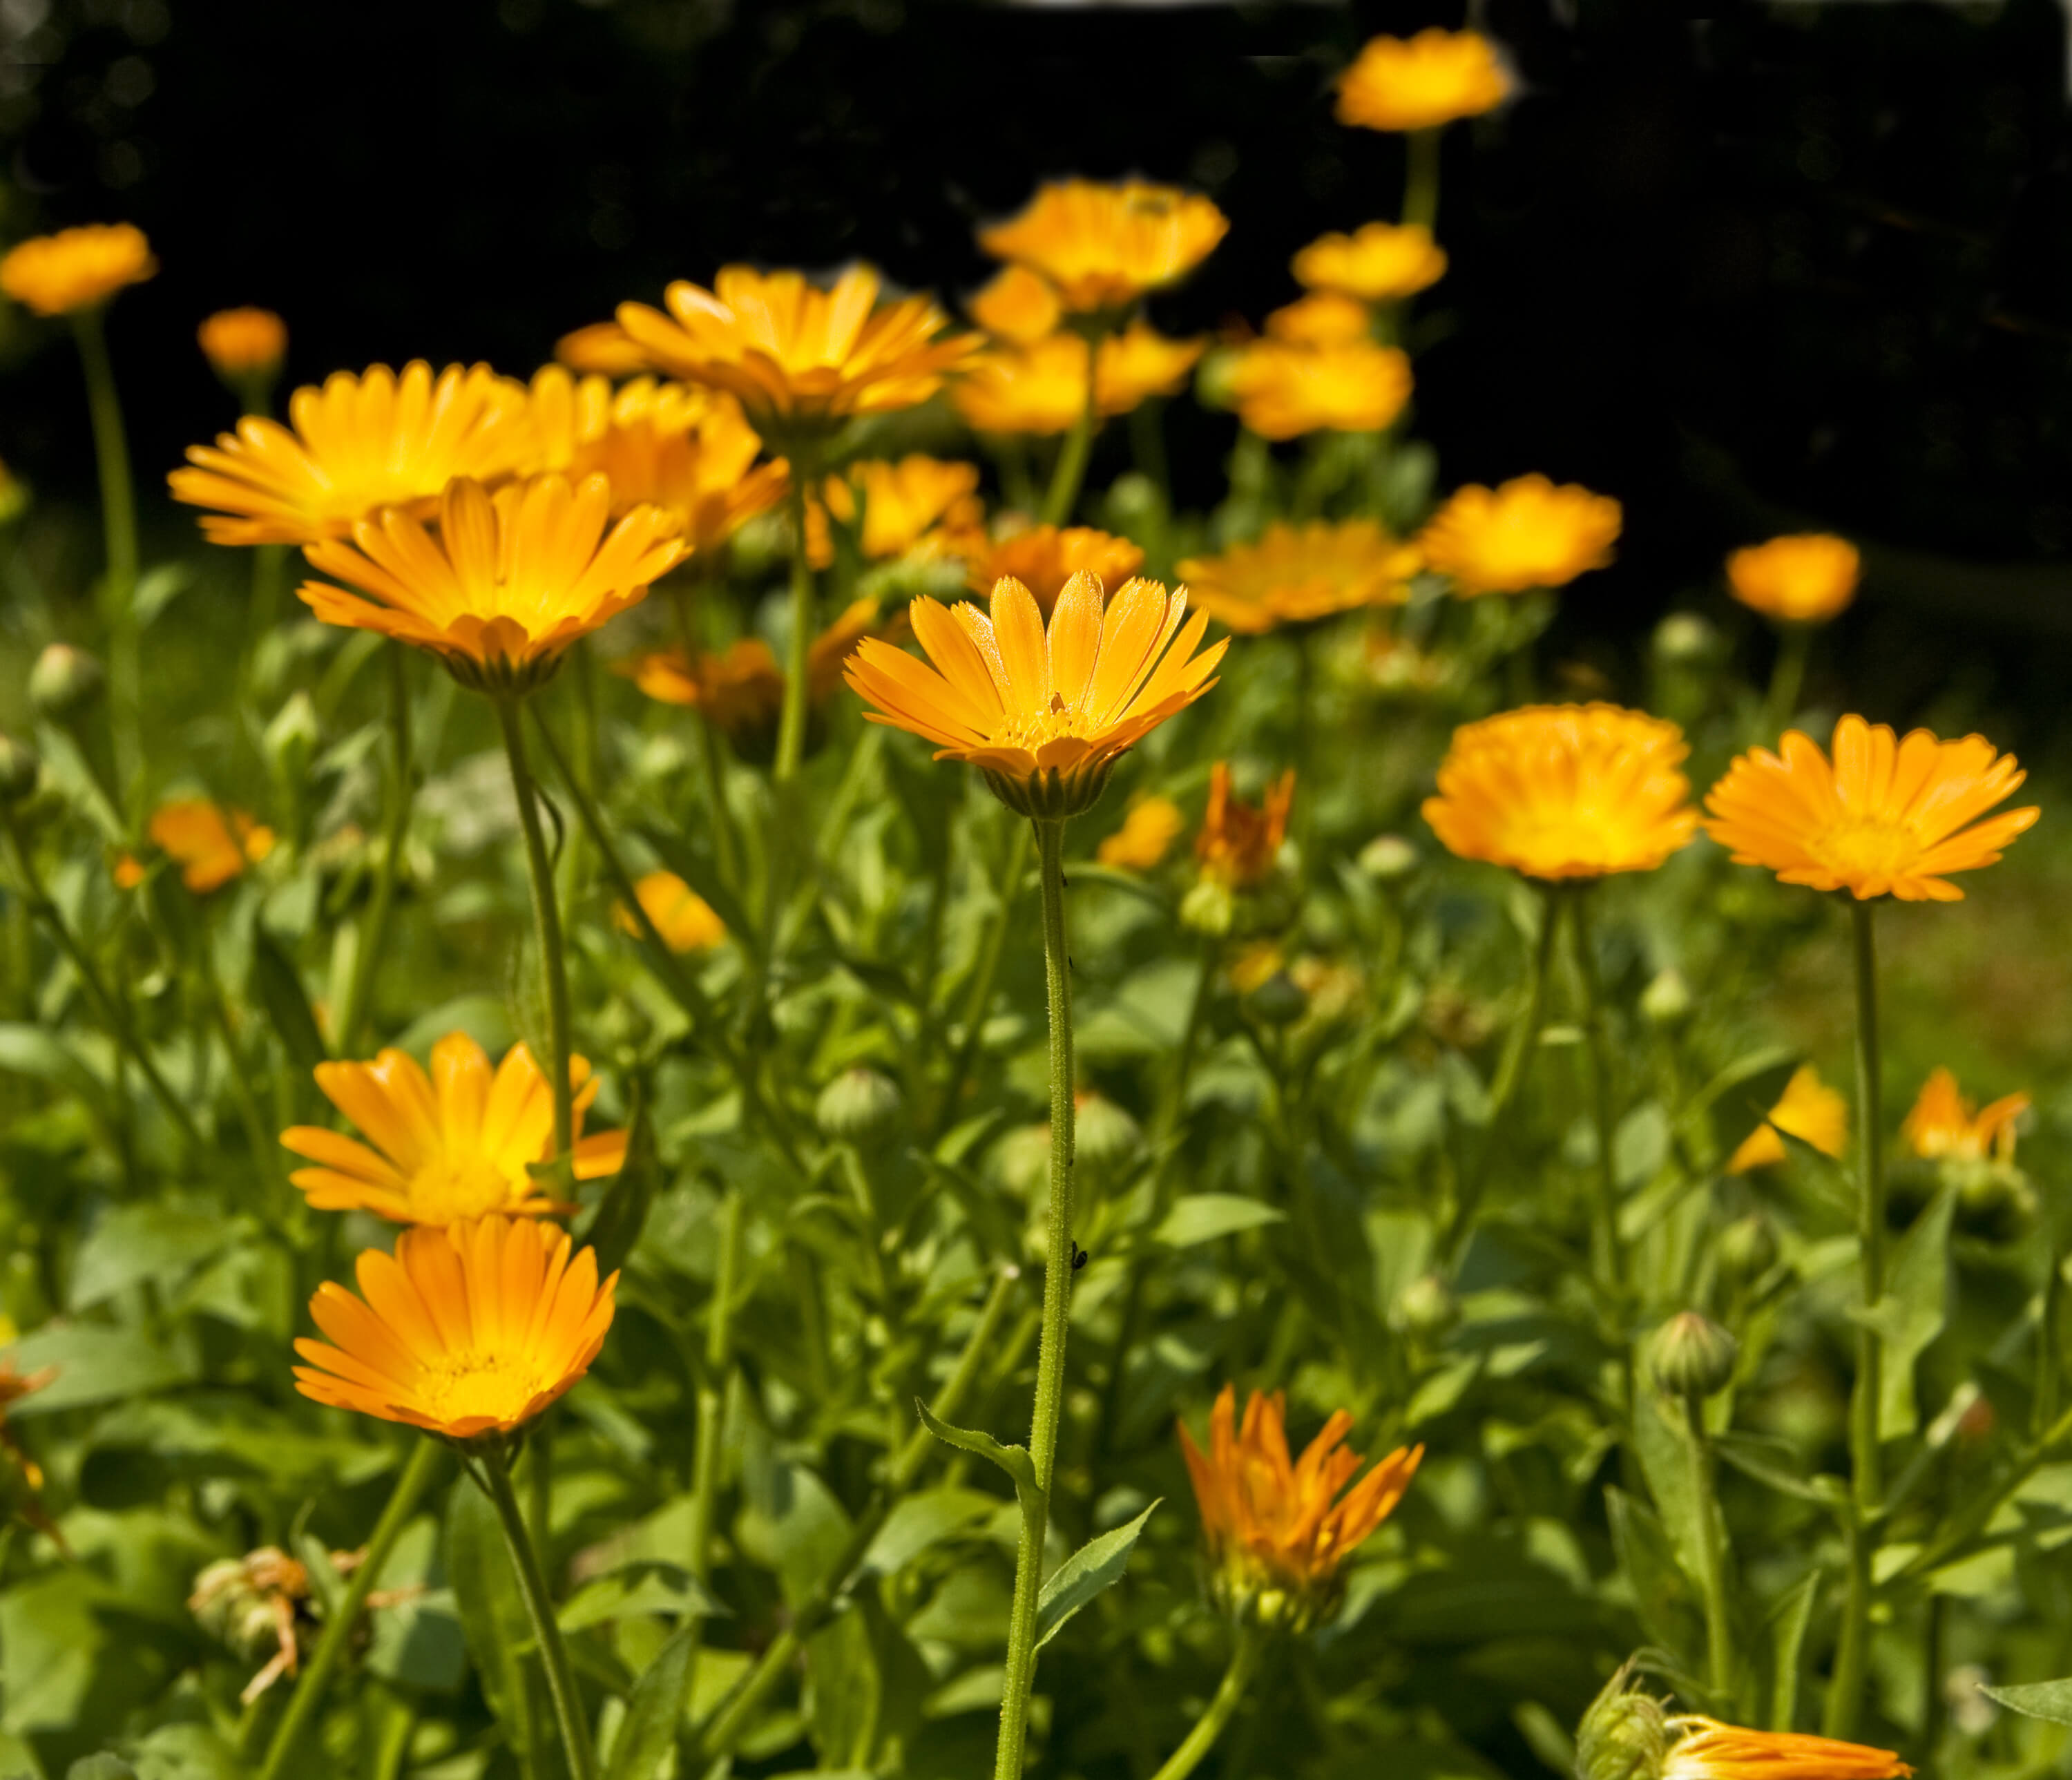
{"points": [[1245, 1655]]}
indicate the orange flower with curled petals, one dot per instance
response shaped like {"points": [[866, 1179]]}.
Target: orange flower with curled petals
{"points": [[1802, 580], [77, 269], [684, 919], [465, 1331], [452, 1145], [1016, 307], [1277, 1528], [1885, 817], [1238, 844], [601, 349], [1102, 246], [211, 843], [1045, 557], [1942, 1123], [1282, 390], [1324, 318], [1044, 716], [1525, 535], [1292, 575], [242, 343], [1808, 1110], [1149, 827], [1378, 262], [1421, 82], [902, 503], [1707, 1749]]}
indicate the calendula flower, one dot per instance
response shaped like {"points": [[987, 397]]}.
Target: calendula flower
{"points": [[1565, 790], [1801, 579], [211, 843], [601, 349], [1294, 574], [452, 1145], [242, 343], [1041, 387], [1016, 307], [259, 1603], [1809, 1110], [1238, 844], [799, 360], [1885, 817], [902, 503], [1943, 1123], [1278, 1529], [1282, 390], [510, 582], [1044, 558], [1527, 534], [353, 447], [1043, 715], [684, 919], [1148, 829], [76, 267], [1324, 318], [1378, 262], [466, 1330], [1422, 82], [1706, 1749], [1101, 247]]}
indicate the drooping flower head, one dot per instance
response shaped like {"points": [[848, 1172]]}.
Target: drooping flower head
{"points": [[1149, 827], [352, 447], [450, 1145], [211, 843], [1283, 390], [1017, 307], [244, 344], [1885, 817], [1045, 716], [1565, 790], [1944, 1125], [1044, 558], [76, 267], [1277, 1529], [899, 503], [1238, 843], [1293, 575], [1040, 388], [1101, 247], [1802, 580], [1809, 1110], [685, 919], [467, 1330], [1526, 535], [1324, 318], [509, 583], [1421, 82], [1378, 262]]}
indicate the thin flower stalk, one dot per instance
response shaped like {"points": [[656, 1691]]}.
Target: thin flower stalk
{"points": [[547, 923], [1712, 1553], [1070, 471], [985, 973], [712, 1389], [798, 691], [118, 515], [1605, 1259], [374, 929], [1248, 1647]]}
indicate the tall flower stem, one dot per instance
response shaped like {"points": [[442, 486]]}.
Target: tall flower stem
{"points": [[798, 694], [547, 921], [495, 1477], [711, 1389], [1605, 1256], [1245, 1657], [1070, 469], [1794, 643], [1711, 1555], [118, 517], [1421, 179], [1057, 1313], [374, 929], [985, 974]]}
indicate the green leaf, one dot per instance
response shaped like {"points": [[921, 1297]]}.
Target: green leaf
{"points": [[2050, 1701], [1787, 1626], [1663, 1447], [1014, 1460], [621, 1213], [482, 1018], [1739, 1098], [1912, 1313], [43, 1057], [135, 1243], [1095, 1566], [492, 1613], [922, 1521], [279, 987], [638, 1588], [96, 1364], [648, 1733], [1202, 1217], [103, 1766], [184, 1752], [1663, 1600], [156, 588]]}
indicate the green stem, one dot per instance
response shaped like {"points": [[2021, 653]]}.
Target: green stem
{"points": [[118, 515], [711, 1389], [1711, 1556], [798, 694], [416, 1475], [1057, 1313], [1606, 1259], [374, 929], [547, 921], [1794, 643], [243, 1090], [1421, 179], [1845, 1687], [1245, 1655], [540, 1610], [984, 973], [1070, 469]]}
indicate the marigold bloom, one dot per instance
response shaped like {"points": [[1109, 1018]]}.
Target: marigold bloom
{"points": [[903, 503], [1045, 717], [76, 267], [1378, 262], [244, 343], [1044, 558], [1294, 574], [1277, 1529], [1324, 318], [1422, 82], [797, 358], [1102, 246], [1016, 307], [1041, 387], [511, 582], [1527, 534], [1809, 1110], [1708, 1751], [468, 1330], [352, 447], [449, 1145], [1283, 390], [1565, 790], [1149, 827], [210, 844], [685, 919], [1944, 1124], [603, 349], [1238, 844], [1886, 817], [1802, 580]]}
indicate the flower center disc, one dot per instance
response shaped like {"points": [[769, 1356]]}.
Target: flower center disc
{"points": [[470, 1383], [448, 1188]]}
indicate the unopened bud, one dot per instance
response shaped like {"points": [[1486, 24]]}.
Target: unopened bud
{"points": [[1746, 1250], [858, 1105], [1208, 908], [64, 681], [291, 738], [1426, 1306], [1214, 384], [1693, 1356], [1279, 1001], [1665, 1001], [1684, 639], [1389, 859], [19, 768], [1624, 1736]]}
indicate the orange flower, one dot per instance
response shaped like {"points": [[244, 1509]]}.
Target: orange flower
{"points": [[1044, 716], [466, 1331], [1238, 845], [1103, 246], [1886, 817], [1810, 1110], [1148, 829], [1526, 535], [1041, 387], [1378, 262], [209, 843], [1421, 82], [684, 919], [1565, 790], [1943, 1123], [1291, 576], [1277, 1530], [603, 349], [76, 267], [1283, 390], [242, 343], [1044, 558], [903, 503], [451, 1145], [1709, 1750], [1325, 318], [1016, 307], [1804, 580]]}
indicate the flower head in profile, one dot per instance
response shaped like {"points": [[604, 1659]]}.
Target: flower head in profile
{"points": [[1044, 558], [898, 504], [1565, 790], [1292, 575], [1525, 534], [1944, 1125], [1101, 247], [1801, 579], [510, 582], [1279, 1529], [451, 1144], [1378, 262], [1626, 1735], [211, 843], [1885, 817], [352, 447], [1240, 843], [1044, 715], [467, 1330], [1808, 1110], [1421, 82], [1017, 307], [600, 349], [1041, 388], [1324, 318], [1282, 390], [242, 344], [75, 269], [1149, 827], [684, 919]]}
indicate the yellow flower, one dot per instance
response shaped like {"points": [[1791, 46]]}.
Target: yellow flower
{"points": [[1565, 790], [799, 360], [1810, 1110], [1324, 318], [1044, 558], [1103, 246], [511, 582], [1238, 845], [1044, 716], [1282, 391], [684, 919], [76, 267], [903, 503], [447, 1146], [1885, 817], [465, 1331], [1041, 387], [1526, 535], [1292, 575], [353, 447], [1802, 580], [1422, 82], [244, 343], [1277, 1529], [211, 845], [1378, 262], [1016, 307], [603, 349], [1148, 829], [1943, 1123], [1709, 1750]]}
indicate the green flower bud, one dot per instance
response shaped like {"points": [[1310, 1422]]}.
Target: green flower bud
{"points": [[1624, 1736], [857, 1106], [1746, 1249], [20, 769], [291, 738], [1684, 639], [1665, 1001], [1426, 1306], [65, 681], [1279, 1001], [1389, 859], [1208, 908], [1212, 387], [1693, 1356]]}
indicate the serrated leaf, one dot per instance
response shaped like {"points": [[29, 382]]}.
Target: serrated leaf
{"points": [[2050, 1701], [1014, 1461], [1096, 1565]]}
